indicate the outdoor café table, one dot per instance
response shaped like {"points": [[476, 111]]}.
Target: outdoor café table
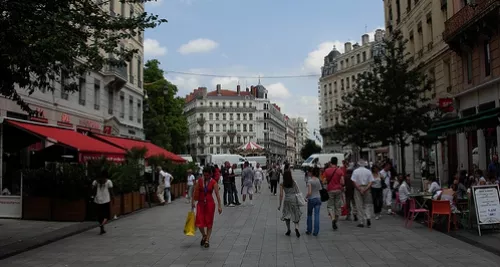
{"points": [[421, 199]]}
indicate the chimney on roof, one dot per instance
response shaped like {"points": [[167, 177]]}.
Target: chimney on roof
{"points": [[248, 89], [238, 89], [365, 39], [218, 89], [347, 47]]}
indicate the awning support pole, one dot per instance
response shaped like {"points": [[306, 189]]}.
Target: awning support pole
{"points": [[1, 154]]}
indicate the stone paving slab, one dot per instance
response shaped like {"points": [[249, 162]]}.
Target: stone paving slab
{"points": [[254, 236]]}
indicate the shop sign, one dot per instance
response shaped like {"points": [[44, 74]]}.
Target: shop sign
{"points": [[39, 115], [11, 207], [84, 157], [446, 105], [90, 124]]}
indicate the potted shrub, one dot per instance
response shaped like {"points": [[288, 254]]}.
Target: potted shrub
{"points": [[71, 190], [37, 191]]}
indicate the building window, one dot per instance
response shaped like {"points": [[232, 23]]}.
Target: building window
{"points": [[237, 104], [468, 66], [217, 116], [487, 59], [230, 116], [238, 116], [358, 59], [250, 116], [364, 56], [130, 108], [244, 127], [216, 104], [217, 140], [211, 140], [131, 72], [244, 116], [224, 116], [123, 9], [250, 127], [211, 115], [217, 128], [139, 111], [81, 90], [211, 150], [97, 94], [139, 67], [238, 127], [211, 127], [224, 127], [244, 104], [111, 101], [122, 105]]}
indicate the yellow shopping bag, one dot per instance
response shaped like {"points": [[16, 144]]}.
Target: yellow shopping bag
{"points": [[189, 228]]}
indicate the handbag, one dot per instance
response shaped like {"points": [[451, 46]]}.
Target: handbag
{"points": [[189, 227], [299, 198]]}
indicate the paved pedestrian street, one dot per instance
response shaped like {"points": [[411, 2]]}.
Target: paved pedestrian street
{"points": [[254, 236]]}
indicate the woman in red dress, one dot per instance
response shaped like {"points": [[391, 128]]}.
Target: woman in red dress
{"points": [[205, 208]]}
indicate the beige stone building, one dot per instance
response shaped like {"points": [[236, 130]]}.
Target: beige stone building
{"points": [[422, 23], [109, 100], [338, 76], [290, 140], [469, 141]]}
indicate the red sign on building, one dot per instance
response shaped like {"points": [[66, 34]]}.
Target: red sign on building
{"points": [[446, 105]]}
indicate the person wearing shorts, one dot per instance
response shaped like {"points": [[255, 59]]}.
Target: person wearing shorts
{"points": [[247, 181]]}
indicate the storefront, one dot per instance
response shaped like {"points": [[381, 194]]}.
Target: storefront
{"points": [[470, 140], [53, 143]]}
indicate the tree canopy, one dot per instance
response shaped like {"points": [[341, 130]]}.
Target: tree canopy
{"points": [[389, 103], [164, 122], [309, 148], [45, 42]]}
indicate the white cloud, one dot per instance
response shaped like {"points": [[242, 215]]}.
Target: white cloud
{"points": [[277, 91], [152, 48], [302, 106], [154, 3], [201, 45], [315, 59]]}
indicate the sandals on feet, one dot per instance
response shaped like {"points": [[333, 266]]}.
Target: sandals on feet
{"points": [[203, 241], [206, 245]]}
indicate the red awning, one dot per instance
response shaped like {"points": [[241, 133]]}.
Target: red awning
{"points": [[153, 150], [87, 147]]}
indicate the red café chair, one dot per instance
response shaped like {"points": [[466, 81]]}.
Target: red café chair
{"points": [[413, 211], [442, 207]]}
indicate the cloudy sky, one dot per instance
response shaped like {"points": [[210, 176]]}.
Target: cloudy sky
{"points": [[240, 40]]}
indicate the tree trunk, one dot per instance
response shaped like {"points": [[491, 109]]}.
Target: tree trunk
{"points": [[402, 144]]}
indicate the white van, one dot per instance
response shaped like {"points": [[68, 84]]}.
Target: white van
{"points": [[239, 167], [262, 160], [321, 159], [221, 158]]}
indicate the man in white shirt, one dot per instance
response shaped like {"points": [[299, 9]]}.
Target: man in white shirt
{"points": [[385, 174], [167, 180], [190, 185], [363, 179], [259, 176]]}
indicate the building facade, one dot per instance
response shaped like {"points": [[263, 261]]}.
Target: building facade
{"points": [[222, 120], [469, 141], [110, 100], [290, 141], [301, 136], [424, 24], [338, 76]]}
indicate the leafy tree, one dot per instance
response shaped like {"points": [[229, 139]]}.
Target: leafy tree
{"points": [[56, 41], [164, 122], [309, 148], [389, 103]]}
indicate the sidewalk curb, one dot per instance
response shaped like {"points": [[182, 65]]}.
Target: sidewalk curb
{"points": [[22, 246], [470, 241]]}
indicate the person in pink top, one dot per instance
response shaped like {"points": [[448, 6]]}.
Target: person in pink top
{"points": [[334, 177]]}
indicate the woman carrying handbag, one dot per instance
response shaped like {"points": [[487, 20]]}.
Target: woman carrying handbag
{"points": [[292, 201]]}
